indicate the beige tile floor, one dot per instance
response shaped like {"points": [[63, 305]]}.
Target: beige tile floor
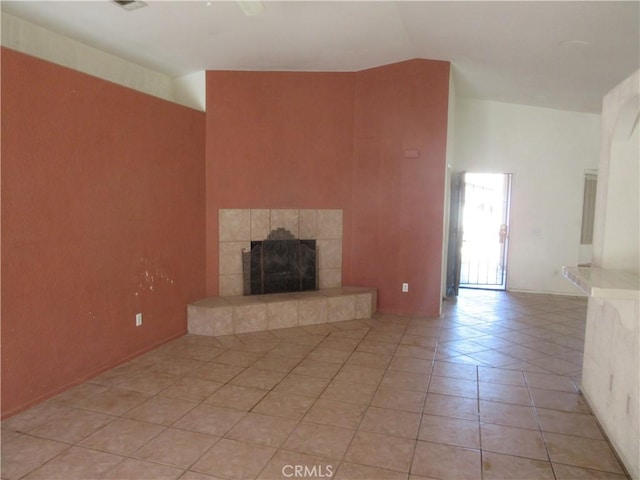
{"points": [[487, 391]]}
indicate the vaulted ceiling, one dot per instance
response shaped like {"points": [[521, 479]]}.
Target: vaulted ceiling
{"points": [[563, 55]]}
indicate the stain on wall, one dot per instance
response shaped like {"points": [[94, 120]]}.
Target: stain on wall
{"points": [[102, 217]]}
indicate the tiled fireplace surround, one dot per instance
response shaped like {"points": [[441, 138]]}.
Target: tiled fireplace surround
{"points": [[232, 312]]}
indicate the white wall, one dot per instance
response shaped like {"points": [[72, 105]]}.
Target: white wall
{"points": [[622, 229], [617, 222], [548, 152], [610, 380], [191, 90]]}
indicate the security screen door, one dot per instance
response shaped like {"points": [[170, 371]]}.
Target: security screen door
{"points": [[485, 230]]}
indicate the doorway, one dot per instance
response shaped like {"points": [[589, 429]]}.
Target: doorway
{"points": [[485, 230]]}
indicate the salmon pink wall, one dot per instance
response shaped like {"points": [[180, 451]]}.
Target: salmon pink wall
{"points": [[338, 140], [276, 140], [399, 170], [102, 217]]}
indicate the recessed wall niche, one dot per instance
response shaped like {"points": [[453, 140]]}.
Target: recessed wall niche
{"points": [[238, 227]]}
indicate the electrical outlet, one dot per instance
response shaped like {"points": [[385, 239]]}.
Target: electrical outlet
{"points": [[138, 319], [405, 287]]}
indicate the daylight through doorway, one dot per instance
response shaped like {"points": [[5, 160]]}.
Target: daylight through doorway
{"points": [[485, 230]]}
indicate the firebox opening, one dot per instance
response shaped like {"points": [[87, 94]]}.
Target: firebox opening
{"points": [[280, 264]]}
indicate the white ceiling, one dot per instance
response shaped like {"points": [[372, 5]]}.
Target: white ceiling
{"points": [[506, 51]]}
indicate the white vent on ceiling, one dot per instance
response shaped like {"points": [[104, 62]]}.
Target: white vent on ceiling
{"points": [[130, 4]]}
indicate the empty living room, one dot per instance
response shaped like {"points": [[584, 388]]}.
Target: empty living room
{"points": [[331, 239]]}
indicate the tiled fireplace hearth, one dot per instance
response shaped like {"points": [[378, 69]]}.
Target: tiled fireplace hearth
{"points": [[242, 314], [233, 312]]}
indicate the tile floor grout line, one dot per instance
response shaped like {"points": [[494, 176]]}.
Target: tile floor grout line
{"points": [[369, 404], [246, 413], [250, 410], [356, 429], [300, 421], [426, 395], [539, 424], [479, 420]]}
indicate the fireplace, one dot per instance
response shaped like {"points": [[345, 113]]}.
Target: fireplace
{"points": [[239, 227], [280, 263]]}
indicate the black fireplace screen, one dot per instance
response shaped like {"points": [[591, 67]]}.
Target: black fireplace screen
{"points": [[276, 266]]}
